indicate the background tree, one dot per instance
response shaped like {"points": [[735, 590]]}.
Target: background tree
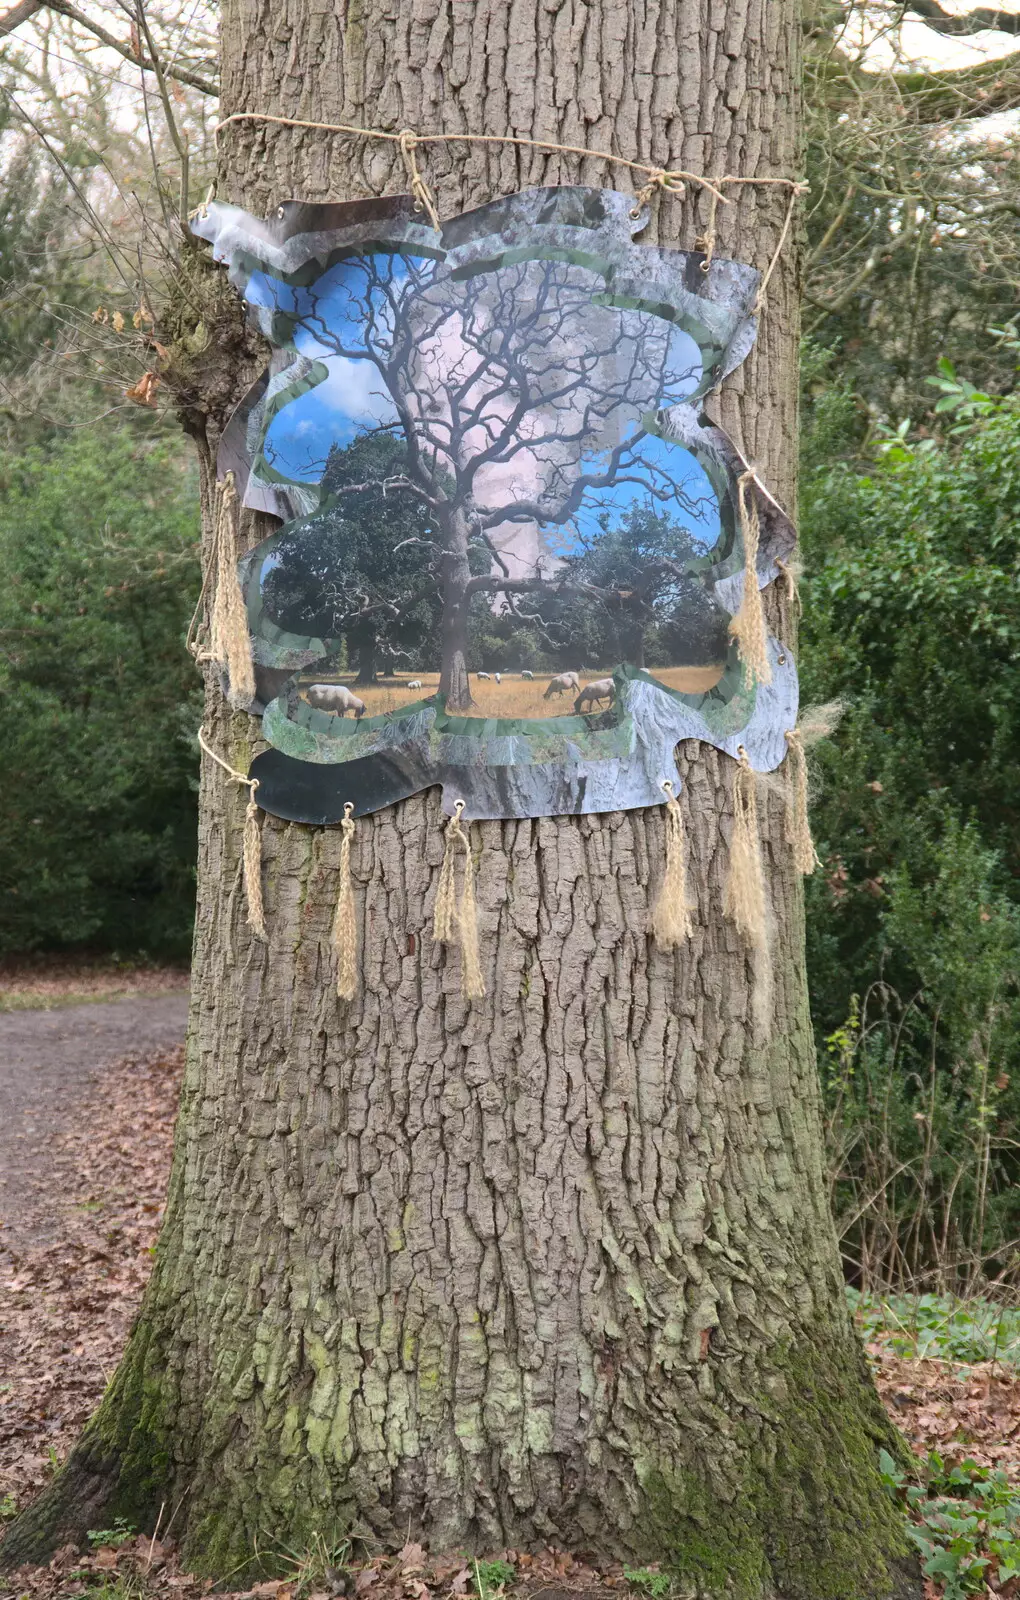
{"points": [[642, 603], [98, 576], [557, 1267], [912, 240], [359, 569]]}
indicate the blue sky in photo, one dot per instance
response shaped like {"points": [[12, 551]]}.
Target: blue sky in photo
{"points": [[667, 466], [353, 397]]}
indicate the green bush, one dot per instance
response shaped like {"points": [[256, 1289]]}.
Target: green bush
{"points": [[98, 699], [912, 615]]}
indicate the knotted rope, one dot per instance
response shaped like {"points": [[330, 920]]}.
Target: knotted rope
{"points": [[744, 897], [345, 928], [251, 846], [671, 919], [669, 180], [458, 924], [419, 188]]}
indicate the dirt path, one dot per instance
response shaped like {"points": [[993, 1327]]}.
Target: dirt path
{"points": [[50, 1061]]}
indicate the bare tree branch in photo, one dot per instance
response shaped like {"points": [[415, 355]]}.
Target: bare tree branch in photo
{"points": [[520, 402]]}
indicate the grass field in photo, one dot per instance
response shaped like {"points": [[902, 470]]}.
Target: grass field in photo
{"points": [[514, 696]]}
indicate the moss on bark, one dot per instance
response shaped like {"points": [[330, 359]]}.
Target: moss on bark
{"points": [[808, 1520]]}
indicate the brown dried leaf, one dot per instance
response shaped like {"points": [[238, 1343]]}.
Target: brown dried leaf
{"points": [[143, 392]]}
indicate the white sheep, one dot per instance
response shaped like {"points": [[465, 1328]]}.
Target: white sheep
{"points": [[415, 683], [526, 674], [335, 698], [483, 675]]}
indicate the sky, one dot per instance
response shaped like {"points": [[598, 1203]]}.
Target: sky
{"points": [[353, 398]]}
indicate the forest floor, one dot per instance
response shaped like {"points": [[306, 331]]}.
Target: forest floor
{"points": [[73, 1267], [42, 982]]}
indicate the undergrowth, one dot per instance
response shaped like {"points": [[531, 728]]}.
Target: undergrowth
{"points": [[964, 1522], [940, 1326]]}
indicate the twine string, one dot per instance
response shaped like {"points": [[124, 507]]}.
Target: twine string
{"points": [[251, 848], [423, 201], [671, 918], [789, 578], [706, 241], [669, 180], [458, 924], [748, 626], [744, 897], [345, 928]]}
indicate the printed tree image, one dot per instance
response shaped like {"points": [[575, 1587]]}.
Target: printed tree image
{"points": [[524, 398]]}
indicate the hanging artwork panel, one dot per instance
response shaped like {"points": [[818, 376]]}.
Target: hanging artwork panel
{"points": [[511, 546]]}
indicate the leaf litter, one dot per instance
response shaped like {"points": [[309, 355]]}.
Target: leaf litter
{"points": [[65, 1311]]}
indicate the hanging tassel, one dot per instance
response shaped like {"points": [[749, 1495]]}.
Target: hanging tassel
{"points": [[671, 919], [251, 854], [790, 572], [453, 924], [798, 827], [345, 928], [444, 917], [744, 899], [472, 982], [748, 626], [229, 644]]}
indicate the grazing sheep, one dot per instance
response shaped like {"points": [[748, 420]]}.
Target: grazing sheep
{"points": [[601, 689], [498, 678], [562, 685], [482, 674], [415, 683], [335, 698], [527, 674]]}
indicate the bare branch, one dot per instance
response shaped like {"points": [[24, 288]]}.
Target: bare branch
{"points": [[29, 8], [977, 21], [18, 14]]}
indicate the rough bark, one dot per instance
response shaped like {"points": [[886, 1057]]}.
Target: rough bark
{"points": [[556, 1267]]}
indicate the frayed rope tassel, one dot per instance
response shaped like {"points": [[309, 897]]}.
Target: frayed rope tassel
{"points": [[748, 626], [251, 854], [251, 843], [671, 918], [458, 924], [229, 644], [345, 928], [744, 899], [798, 826]]}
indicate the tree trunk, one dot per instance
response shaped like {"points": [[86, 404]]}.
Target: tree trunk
{"points": [[556, 1267], [454, 682], [367, 667]]}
